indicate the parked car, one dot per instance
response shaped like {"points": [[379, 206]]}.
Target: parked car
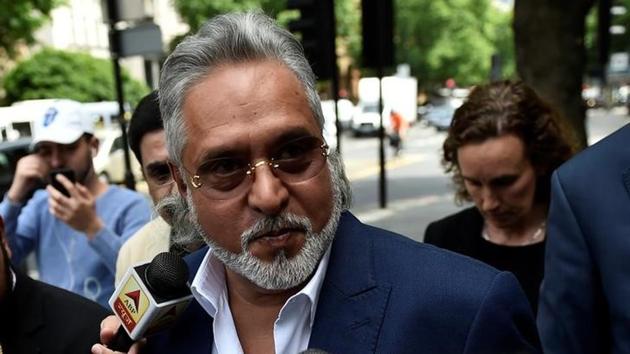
{"points": [[345, 108], [330, 126], [366, 119], [593, 96], [109, 162], [440, 116], [10, 153]]}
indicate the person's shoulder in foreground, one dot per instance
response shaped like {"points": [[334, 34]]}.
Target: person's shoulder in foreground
{"points": [[607, 157], [430, 300], [47, 319], [142, 246], [584, 291], [386, 293]]}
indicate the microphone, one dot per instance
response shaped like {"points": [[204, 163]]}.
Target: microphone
{"points": [[149, 298]]}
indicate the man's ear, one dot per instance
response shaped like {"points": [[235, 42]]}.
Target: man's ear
{"points": [[182, 187], [94, 144]]}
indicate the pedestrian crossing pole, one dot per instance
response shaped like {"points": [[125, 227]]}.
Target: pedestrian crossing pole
{"points": [[378, 52]]}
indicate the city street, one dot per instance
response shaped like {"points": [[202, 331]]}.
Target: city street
{"points": [[418, 190]]}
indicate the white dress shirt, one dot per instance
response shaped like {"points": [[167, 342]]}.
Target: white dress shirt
{"points": [[292, 328]]}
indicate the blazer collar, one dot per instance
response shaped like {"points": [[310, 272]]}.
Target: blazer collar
{"points": [[624, 135], [28, 304], [352, 301], [626, 179], [33, 316], [193, 260]]}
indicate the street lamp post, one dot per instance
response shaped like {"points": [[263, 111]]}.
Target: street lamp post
{"points": [[114, 46]]}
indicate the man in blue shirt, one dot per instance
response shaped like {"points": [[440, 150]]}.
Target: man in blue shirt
{"points": [[77, 235]]}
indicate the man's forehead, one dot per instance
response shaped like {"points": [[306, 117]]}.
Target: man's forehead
{"points": [[247, 97], [250, 145], [238, 81]]}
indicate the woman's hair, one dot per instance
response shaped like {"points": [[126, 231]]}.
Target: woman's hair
{"points": [[507, 107]]}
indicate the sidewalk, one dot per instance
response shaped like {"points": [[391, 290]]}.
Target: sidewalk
{"points": [[601, 122]]}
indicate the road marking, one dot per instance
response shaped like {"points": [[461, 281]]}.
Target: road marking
{"points": [[364, 169], [374, 215]]}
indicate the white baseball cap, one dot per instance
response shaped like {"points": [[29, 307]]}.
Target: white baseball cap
{"points": [[62, 122]]}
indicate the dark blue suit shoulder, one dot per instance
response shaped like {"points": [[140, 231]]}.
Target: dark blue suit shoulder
{"points": [[401, 260], [612, 154]]}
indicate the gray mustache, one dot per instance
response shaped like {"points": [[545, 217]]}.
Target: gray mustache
{"points": [[274, 224]]}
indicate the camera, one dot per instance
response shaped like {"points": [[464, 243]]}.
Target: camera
{"points": [[68, 173]]}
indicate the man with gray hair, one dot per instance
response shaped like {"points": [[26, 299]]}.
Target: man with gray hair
{"points": [[288, 267]]}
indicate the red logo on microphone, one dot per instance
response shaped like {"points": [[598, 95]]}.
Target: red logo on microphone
{"points": [[135, 297]]}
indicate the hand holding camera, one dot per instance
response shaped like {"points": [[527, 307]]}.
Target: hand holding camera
{"points": [[73, 203]]}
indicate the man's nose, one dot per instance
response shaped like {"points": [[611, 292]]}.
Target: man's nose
{"points": [[267, 195], [57, 159]]}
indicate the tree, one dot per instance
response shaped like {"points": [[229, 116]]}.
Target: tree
{"points": [[550, 54], [348, 17], [347, 13], [54, 73], [19, 19], [451, 39], [196, 12]]}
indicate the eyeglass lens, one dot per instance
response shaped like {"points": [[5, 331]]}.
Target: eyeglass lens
{"points": [[294, 161]]}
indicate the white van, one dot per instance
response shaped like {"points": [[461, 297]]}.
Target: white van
{"points": [[16, 121]]}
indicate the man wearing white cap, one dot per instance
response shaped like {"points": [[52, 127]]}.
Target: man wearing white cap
{"points": [[77, 233]]}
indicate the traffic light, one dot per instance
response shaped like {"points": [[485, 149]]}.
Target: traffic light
{"points": [[377, 23], [316, 26]]}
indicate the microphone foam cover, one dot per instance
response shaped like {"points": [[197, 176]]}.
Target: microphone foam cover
{"points": [[167, 275]]}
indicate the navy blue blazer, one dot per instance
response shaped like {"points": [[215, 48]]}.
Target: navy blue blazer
{"points": [[385, 293], [585, 298], [39, 318]]}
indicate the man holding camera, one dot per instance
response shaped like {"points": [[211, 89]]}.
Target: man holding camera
{"points": [[78, 223]]}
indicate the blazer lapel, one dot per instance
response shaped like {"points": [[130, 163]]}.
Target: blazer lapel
{"points": [[192, 333], [193, 261], [29, 304], [200, 336], [352, 302], [626, 179], [624, 152]]}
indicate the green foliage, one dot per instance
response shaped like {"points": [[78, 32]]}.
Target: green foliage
{"points": [[196, 12], [19, 19], [440, 39], [590, 42], [59, 74], [348, 21], [621, 42], [618, 42], [443, 39]]}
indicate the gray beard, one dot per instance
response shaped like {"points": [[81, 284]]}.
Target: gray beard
{"points": [[282, 272]]}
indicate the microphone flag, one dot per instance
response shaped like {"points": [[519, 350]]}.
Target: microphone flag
{"points": [[141, 311]]}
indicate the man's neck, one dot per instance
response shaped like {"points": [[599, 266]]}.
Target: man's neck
{"points": [[94, 184], [254, 311], [243, 290]]}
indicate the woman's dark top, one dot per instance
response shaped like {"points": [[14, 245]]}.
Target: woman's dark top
{"points": [[461, 233]]}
